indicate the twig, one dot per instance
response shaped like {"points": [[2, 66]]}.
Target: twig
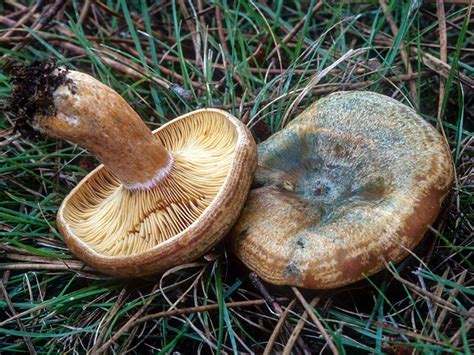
{"points": [[450, 23], [10, 139], [296, 332], [171, 58], [111, 315], [315, 319], [436, 46], [274, 306], [403, 51], [140, 26], [201, 12], [328, 88], [443, 51], [7, 22], [296, 28], [316, 79], [443, 69], [433, 63], [117, 60], [225, 48], [466, 328], [438, 292], [259, 51], [406, 332], [130, 69], [47, 267], [21, 21], [280, 62], [116, 64], [162, 69], [435, 298], [454, 292], [41, 259], [459, 2], [10, 248], [85, 10], [42, 21], [18, 13], [194, 33], [277, 329], [28, 342], [24, 313], [210, 307], [128, 325]]}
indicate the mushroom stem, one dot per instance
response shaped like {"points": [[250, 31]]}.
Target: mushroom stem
{"points": [[96, 117]]}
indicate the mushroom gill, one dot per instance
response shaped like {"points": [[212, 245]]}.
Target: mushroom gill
{"points": [[116, 221]]}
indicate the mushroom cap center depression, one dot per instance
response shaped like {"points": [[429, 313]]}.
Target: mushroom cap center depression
{"points": [[115, 221], [326, 170]]}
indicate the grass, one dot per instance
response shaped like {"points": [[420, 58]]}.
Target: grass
{"points": [[264, 62]]}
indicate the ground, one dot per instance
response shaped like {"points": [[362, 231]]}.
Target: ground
{"points": [[265, 62]]}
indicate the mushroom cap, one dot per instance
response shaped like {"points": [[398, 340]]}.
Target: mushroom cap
{"points": [[353, 181], [133, 233]]}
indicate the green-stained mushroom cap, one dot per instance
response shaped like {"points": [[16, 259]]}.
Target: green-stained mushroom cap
{"points": [[353, 181]]}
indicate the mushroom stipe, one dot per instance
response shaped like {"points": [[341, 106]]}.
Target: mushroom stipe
{"points": [[161, 198], [352, 182]]}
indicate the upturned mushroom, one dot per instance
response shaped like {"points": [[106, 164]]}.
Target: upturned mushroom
{"points": [[351, 183], [160, 198]]}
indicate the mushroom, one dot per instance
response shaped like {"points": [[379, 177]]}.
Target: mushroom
{"points": [[352, 182], [160, 198]]}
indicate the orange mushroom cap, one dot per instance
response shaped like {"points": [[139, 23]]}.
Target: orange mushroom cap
{"points": [[353, 181]]}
